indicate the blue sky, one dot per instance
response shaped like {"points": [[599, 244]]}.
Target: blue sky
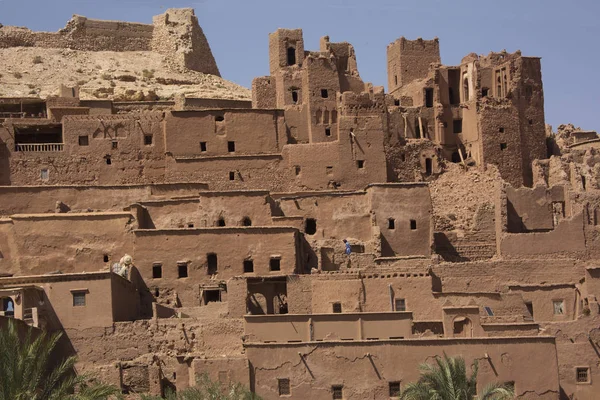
{"points": [[564, 33]]}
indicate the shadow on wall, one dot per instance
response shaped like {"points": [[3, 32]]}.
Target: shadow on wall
{"points": [[444, 247], [146, 298], [514, 221], [386, 248], [4, 165]]}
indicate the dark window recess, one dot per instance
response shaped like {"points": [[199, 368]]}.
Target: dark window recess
{"points": [[78, 299], [247, 221], [324, 93], [108, 160], [484, 92], [202, 146], [156, 292], [337, 392], [327, 131], [583, 375], [394, 389], [219, 118], [221, 222], [310, 226], [84, 140], [148, 140], [105, 258], [489, 311], [336, 308], [248, 266], [275, 264], [231, 147], [429, 97], [529, 308], [212, 296], [428, 166], [360, 164], [503, 146], [156, 271], [291, 56], [231, 175], [294, 96], [391, 223], [284, 386], [413, 224], [530, 122], [395, 79], [400, 304], [115, 145], [397, 102], [457, 126], [501, 129], [190, 225], [182, 270], [297, 169], [213, 265]]}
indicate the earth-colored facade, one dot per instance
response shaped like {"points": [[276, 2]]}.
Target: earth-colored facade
{"points": [[472, 228]]}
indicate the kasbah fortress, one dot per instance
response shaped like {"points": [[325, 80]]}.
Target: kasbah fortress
{"points": [[315, 238]]}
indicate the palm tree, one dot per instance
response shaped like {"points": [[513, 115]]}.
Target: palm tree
{"points": [[447, 380], [29, 372]]}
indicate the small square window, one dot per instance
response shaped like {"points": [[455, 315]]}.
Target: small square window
{"points": [[391, 223], [108, 160], [248, 266], [231, 147], [84, 140], [457, 126], [275, 264], [202, 147], [219, 118], [212, 296], [105, 258], [324, 93], [530, 122], [156, 271], [327, 132], [501, 130], [360, 164], [295, 96], [336, 308], [583, 374], [148, 140], [484, 92], [231, 175], [44, 174], [397, 102], [284, 386], [489, 311], [503, 146], [182, 270], [337, 392], [559, 307], [78, 299], [297, 169], [394, 389], [400, 304], [413, 224], [115, 145], [190, 225]]}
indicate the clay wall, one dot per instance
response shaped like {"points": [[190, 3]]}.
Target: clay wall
{"points": [[279, 42], [231, 245], [403, 215], [43, 199], [42, 243], [318, 367], [409, 60], [264, 92], [542, 298]]}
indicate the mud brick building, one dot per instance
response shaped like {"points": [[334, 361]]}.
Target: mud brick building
{"points": [[474, 229]]}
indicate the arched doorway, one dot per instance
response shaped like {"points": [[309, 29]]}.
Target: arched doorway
{"points": [[8, 307]]}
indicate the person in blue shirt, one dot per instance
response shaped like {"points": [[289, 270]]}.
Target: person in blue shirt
{"points": [[348, 247]]}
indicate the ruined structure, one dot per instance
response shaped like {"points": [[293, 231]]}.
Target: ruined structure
{"points": [[471, 230]]}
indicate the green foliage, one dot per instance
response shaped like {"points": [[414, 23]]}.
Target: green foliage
{"points": [[206, 389], [447, 380], [26, 374]]}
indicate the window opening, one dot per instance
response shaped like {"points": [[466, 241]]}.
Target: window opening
{"points": [[248, 266], [8, 306], [84, 140], [327, 131], [583, 374], [394, 389], [457, 126], [219, 118], [503, 146], [529, 306], [400, 304], [484, 92], [44, 174], [284, 386], [294, 96], [231, 147], [212, 296], [211, 260], [105, 258], [428, 166], [108, 160], [275, 264], [156, 271], [148, 140], [489, 311], [182, 270], [297, 169], [232, 175], [428, 97], [391, 223], [360, 164], [324, 93], [336, 308], [310, 226], [413, 224], [202, 146], [337, 392], [501, 129], [78, 299], [291, 56], [559, 307], [115, 145], [246, 221], [221, 222]]}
